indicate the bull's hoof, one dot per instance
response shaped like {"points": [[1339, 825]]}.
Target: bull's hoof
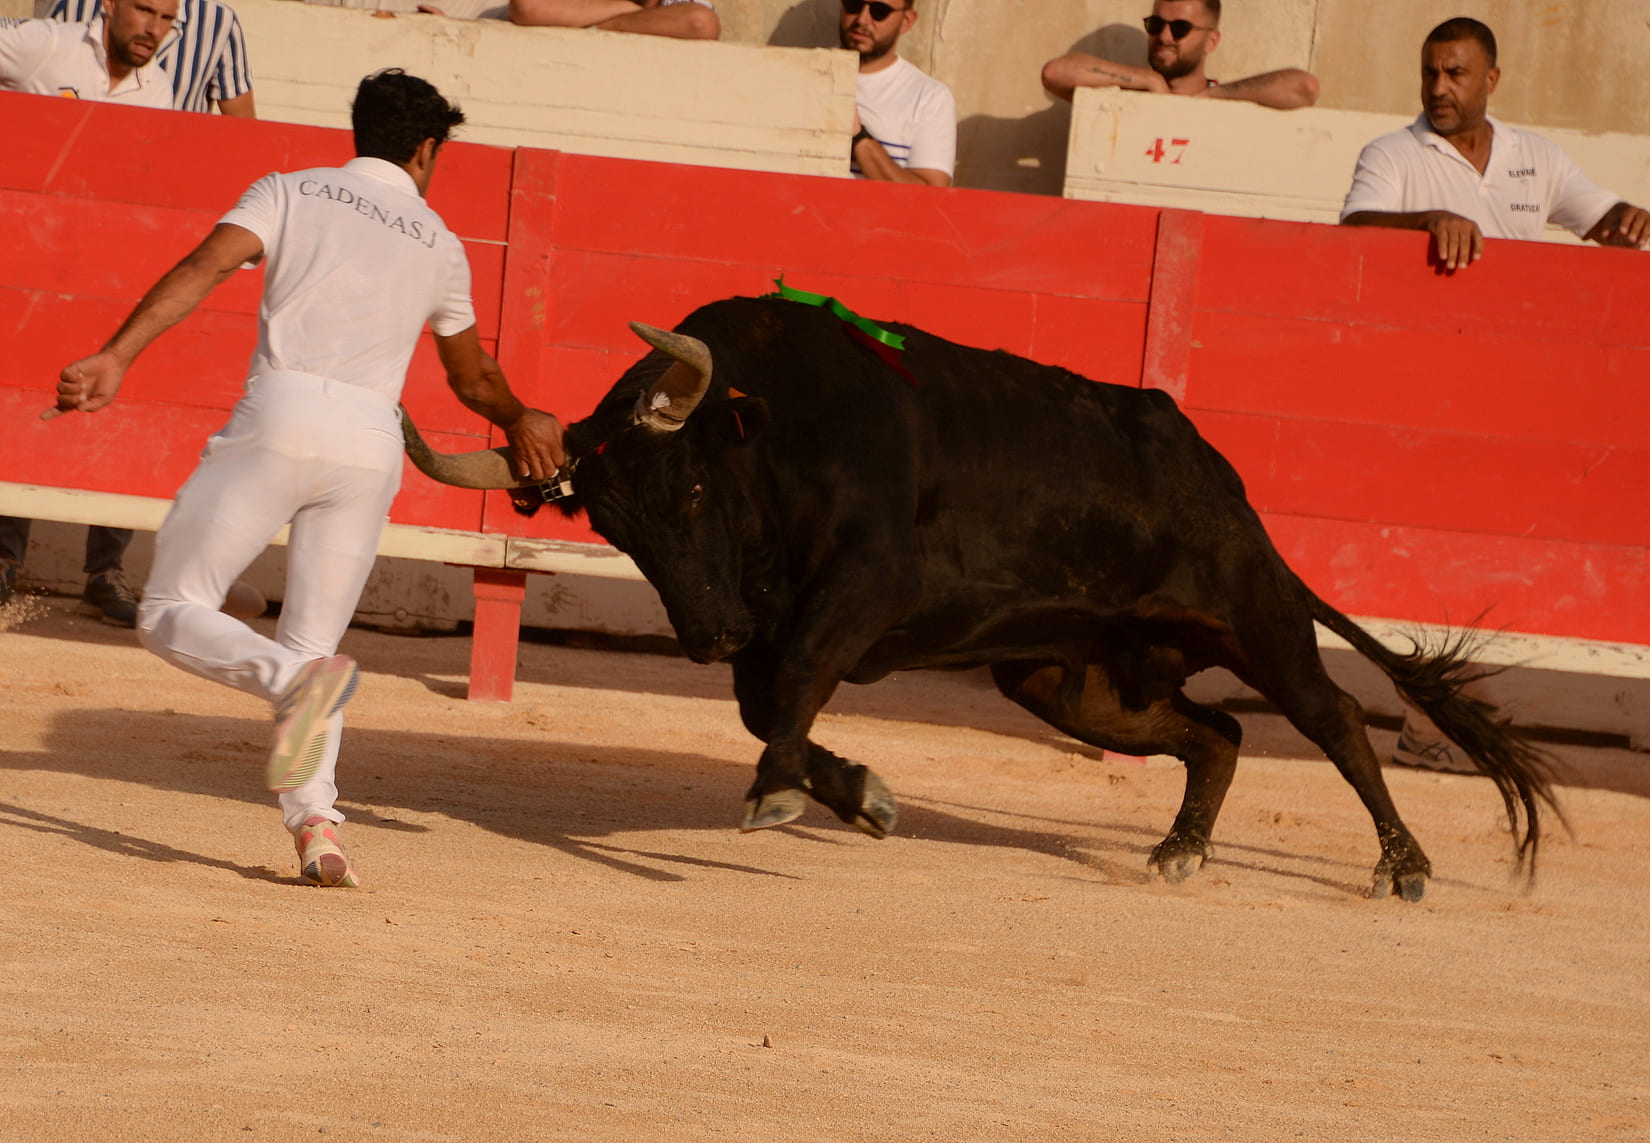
{"points": [[1403, 872], [773, 809], [877, 810], [1411, 886], [1177, 858]]}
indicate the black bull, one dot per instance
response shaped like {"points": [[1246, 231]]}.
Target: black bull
{"points": [[816, 515]]}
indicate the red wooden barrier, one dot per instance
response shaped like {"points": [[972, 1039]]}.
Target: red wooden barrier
{"points": [[1421, 446]]}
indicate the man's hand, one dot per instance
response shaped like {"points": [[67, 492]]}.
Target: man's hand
{"points": [[536, 437], [1460, 242], [90, 383], [1622, 225]]}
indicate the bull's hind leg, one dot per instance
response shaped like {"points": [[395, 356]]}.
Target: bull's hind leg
{"points": [[1090, 710], [1288, 670]]}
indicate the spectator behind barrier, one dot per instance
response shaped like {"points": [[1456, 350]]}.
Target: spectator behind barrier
{"points": [[1181, 35], [205, 54], [112, 59], [1461, 175], [680, 19], [905, 123]]}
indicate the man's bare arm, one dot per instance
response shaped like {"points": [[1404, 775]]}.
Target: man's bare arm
{"points": [[678, 21], [1460, 243], [91, 383], [569, 13], [479, 384], [1622, 225], [240, 107], [875, 163], [1064, 75], [1285, 90]]}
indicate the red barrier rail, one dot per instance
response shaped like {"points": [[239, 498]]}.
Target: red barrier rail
{"points": [[1422, 446]]}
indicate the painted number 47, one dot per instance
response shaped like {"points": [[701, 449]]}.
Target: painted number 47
{"points": [[1172, 149]]}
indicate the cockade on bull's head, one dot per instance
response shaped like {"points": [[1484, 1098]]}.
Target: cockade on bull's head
{"points": [[815, 516]]}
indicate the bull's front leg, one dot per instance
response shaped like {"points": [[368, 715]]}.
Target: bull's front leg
{"points": [[780, 693], [848, 789]]}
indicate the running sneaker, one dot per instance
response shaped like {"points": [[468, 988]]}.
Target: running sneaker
{"points": [[1439, 755], [303, 720], [321, 858]]}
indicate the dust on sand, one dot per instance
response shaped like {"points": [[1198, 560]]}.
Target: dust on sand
{"points": [[562, 936]]}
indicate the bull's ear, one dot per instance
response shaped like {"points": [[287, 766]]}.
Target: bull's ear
{"points": [[737, 421]]}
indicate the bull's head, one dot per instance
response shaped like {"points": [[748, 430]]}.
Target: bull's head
{"points": [[663, 407], [657, 487]]}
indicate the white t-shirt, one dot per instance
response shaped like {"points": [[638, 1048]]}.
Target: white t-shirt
{"points": [[44, 57], [912, 115], [1528, 183], [356, 263]]}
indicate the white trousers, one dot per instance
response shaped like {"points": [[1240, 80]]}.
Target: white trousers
{"points": [[318, 454]]}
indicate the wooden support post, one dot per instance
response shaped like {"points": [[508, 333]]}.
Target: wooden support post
{"points": [[1169, 309], [499, 592]]}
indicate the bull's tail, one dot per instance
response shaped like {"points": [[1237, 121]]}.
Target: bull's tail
{"points": [[1432, 679]]}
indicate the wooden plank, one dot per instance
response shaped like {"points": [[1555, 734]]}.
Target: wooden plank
{"points": [[1364, 276], [1542, 587], [831, 227], [1166, 357], [1557, 491], [1440, 381], [1101, 339]]}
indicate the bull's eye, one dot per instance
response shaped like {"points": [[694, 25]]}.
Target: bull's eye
{"points": [[696, 494]]}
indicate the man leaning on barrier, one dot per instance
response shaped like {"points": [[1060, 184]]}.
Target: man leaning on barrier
{"points": [[1180, 34], [905, 122], [1462, 175]]}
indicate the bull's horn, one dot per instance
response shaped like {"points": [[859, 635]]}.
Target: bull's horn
{"points": [[668, 403], [488, 468]]}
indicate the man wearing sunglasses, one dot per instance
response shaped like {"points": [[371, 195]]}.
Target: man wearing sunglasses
{"points": [[1180, 34], [905, 123]]}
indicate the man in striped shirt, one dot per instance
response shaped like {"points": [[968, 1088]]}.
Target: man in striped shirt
{"points": [[905, 122], [205, 55]]}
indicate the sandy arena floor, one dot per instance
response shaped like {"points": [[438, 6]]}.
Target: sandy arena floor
{"points": [[562, 936]]}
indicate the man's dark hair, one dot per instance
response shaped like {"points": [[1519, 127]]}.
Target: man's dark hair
{"points": [[1464, 28], [394, 112], [1213, 8]]}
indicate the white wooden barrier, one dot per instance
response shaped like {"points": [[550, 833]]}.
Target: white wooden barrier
{"points": [[570, 89]]}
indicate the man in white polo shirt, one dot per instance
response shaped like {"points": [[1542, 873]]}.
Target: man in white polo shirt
{"points": [[905, 123], [356, 264], [1463, 176], [111, 59], [205, 55]]}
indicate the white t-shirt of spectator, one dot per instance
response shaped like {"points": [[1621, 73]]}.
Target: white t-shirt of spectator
{"points": [[44, 57], [204, 53], [356, 263], [1528, 182], [912, 115]]}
